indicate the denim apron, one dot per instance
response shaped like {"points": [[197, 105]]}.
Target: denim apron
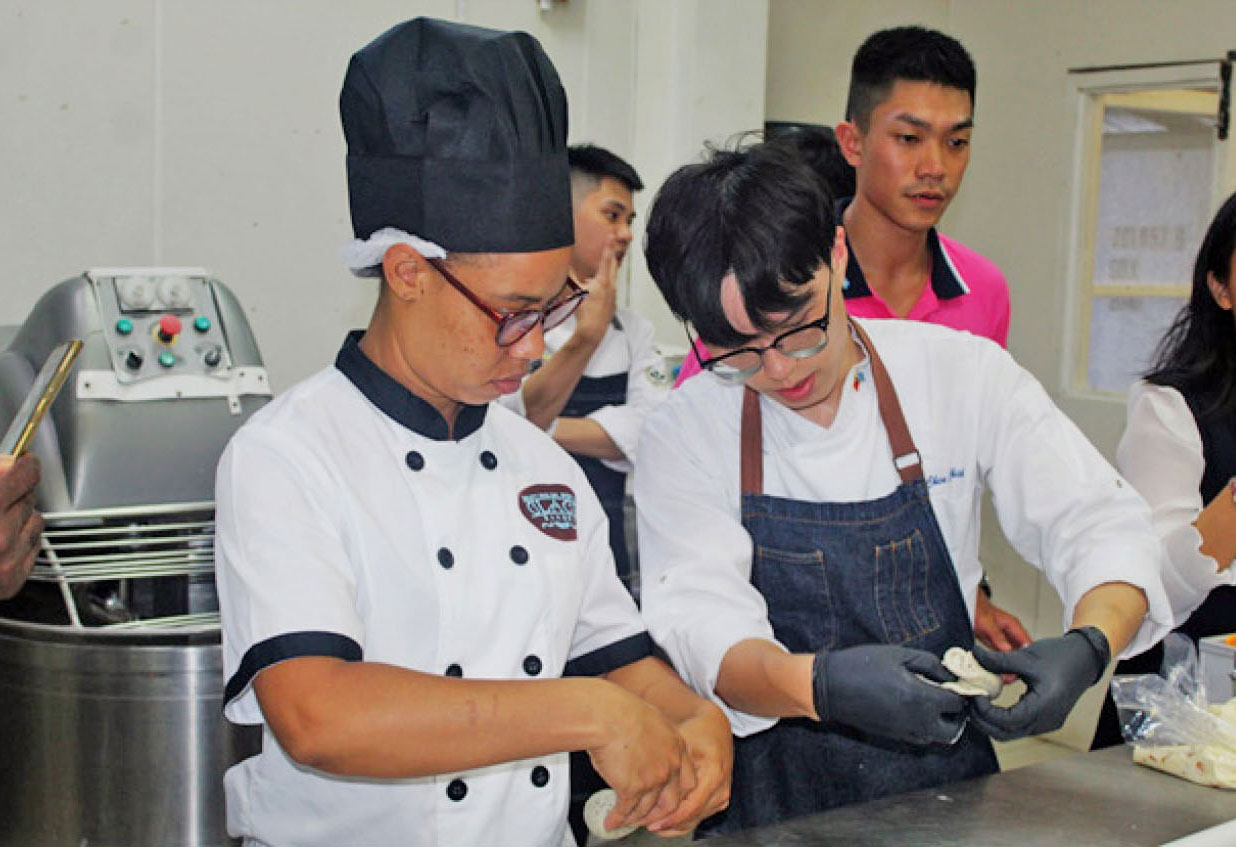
{"points": [[837, 575], [590, 394]]}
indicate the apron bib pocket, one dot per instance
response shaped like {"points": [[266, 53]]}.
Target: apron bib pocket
{"points": [[903, 601], [795, 586]]}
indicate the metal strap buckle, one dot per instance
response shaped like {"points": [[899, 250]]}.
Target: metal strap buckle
{"points": [[907, 460]]}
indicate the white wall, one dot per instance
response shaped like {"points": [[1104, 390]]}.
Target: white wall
{"points": [[811, 44], [167, 132]]}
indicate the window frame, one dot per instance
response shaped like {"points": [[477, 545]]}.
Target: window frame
{"points": [[1159, 88]]}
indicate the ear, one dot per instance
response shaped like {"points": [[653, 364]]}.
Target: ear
{"points": [[840, 254], [404, 270], [850, 140]]}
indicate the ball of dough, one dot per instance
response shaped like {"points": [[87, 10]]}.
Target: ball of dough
{"points": [[596, 809], [973, 680]]}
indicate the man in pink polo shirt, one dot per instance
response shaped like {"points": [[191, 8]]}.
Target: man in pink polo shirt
{"points": [[909, 117], [907, 131]]}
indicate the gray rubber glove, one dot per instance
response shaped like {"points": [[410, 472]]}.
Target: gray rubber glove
{"points": [[874, 688], [1056, 672]]}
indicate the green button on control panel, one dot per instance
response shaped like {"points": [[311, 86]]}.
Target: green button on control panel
{"points": [[201, 323], [124, 326], [167, 358]]}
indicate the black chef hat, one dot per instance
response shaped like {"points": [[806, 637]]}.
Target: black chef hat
{"points": [[457, 134]]}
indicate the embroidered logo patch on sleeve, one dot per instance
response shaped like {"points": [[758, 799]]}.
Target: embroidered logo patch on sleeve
{"points": [[551, 509], [658, 375]]}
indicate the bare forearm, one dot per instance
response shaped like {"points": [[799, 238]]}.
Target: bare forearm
{"points": [[1116, 608], [586, 437], [546, 392], [760, 678], [1217, 525], [652, 680], [381, 721]]}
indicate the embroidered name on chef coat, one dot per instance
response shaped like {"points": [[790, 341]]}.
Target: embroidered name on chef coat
{"points": [[551, 509], [940, 479]]}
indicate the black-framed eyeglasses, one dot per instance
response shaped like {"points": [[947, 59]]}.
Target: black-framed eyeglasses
{"points": [[513, 326], [802, 342]]}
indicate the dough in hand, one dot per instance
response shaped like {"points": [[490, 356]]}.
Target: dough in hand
{"points": [[597, 808], [973, 680]]}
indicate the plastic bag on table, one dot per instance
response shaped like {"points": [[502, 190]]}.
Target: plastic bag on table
{"points": [[1166, 719]]}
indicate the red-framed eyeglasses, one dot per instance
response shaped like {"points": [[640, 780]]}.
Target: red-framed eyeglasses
{"points": [[513, 326]]}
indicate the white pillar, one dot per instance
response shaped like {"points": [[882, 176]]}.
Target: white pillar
{"points": [[699, 76]]}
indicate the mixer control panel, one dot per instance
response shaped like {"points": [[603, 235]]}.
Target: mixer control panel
{"points": [[159, 322]]}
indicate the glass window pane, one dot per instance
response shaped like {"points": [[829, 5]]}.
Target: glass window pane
{"points": [[1123, 335], [1155, 188]]}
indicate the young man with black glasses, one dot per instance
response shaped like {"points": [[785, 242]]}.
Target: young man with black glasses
{"points": [[808, 510], [905, 143], [406, 570]]}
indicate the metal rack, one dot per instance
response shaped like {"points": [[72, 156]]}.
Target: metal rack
{"points": [[113, 552]]}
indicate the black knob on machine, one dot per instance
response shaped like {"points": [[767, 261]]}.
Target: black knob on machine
{"points": [[212, 357], [133, 359]]}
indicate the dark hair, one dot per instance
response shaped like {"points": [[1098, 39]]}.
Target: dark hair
{"points": [[817, 146], [758, 211], [1198, 352], [911, 53], [599, 163]]}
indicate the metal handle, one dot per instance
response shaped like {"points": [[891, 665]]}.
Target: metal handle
{"points": [[39, 399]]}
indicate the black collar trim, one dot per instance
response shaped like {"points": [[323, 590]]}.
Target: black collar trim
{"points": [[946, 282], [397, 402]]}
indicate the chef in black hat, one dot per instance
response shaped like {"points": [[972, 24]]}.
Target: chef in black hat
{"points": [[405, 572]]}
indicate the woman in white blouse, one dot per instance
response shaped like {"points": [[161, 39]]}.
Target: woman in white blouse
{"points": [[1179, 452]]}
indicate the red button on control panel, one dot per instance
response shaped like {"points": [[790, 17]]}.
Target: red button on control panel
{"points": [[169, 327]]}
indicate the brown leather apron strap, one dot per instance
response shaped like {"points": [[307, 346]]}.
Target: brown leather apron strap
{"points": [[752, 444], [905, 455]]}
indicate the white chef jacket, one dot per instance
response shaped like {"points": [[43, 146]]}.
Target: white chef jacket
{"points": [[977, 418], [349, 524], [628, 347], [1160, 453]]}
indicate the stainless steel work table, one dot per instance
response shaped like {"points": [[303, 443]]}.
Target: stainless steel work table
{"points": [[1100, 799]]}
